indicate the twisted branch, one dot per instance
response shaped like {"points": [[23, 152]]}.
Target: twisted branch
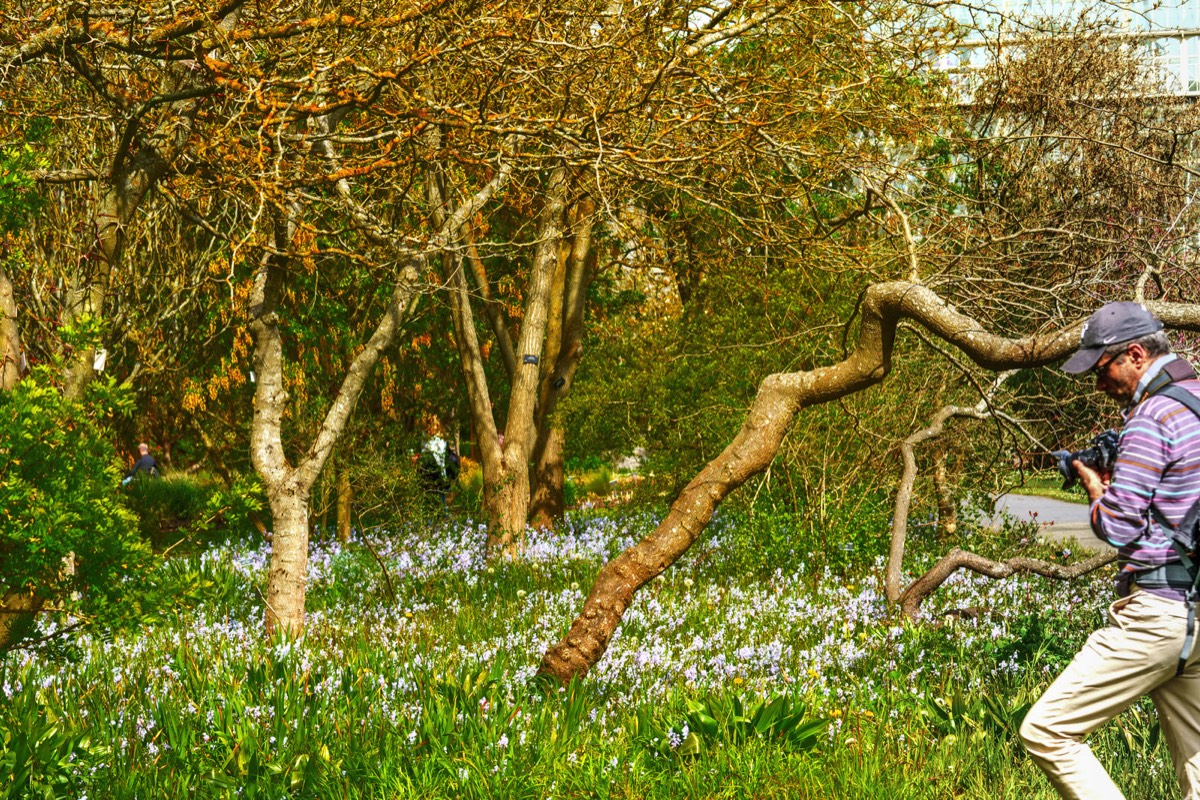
{"points": [[958, 559]]}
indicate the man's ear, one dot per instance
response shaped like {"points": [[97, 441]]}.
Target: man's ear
{"points": [[1138, 354]]}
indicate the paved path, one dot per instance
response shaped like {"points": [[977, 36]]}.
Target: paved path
{"points": [[1060, 521]]}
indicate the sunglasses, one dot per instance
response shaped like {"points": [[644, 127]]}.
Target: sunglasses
{"points": [[1102, 369]]}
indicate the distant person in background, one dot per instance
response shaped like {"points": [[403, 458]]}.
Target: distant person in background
{"points": [[438, 466], [145, 465]]}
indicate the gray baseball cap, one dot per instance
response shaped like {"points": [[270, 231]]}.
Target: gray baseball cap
{"points": [[1113, 324]]}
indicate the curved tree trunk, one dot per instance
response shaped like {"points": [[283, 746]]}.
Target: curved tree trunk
{"points": [[947, 513], [904, 492], [779, 398]]}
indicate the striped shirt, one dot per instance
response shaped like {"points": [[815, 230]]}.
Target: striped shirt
{"points": [[1158, 463]]}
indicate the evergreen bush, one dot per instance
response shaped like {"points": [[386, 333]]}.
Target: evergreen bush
{"points": [[66, 537]]}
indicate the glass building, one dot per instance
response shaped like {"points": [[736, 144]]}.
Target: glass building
{"points": [[1170, 29]]}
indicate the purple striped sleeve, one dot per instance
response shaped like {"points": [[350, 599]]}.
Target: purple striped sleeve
{"points": [[1159, 463]]}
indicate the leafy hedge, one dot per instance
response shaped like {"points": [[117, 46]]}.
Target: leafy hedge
{"points": [[59, 495]]}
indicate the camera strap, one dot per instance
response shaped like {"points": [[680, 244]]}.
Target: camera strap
{"points": [[1183, 536]]}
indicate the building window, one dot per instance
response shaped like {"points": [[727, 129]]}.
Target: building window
{"points": [[1190, 74]]}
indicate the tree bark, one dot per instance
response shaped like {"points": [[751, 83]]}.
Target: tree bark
{"points": [[511, 512], [287, 577], [491, 306], [505, 469], [10, 336], [344, 500], [947, 507], [139, 161], [779, 398], [17, 613], [548, 504], [288, 488]]}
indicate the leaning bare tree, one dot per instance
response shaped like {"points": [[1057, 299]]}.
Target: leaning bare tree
{"points": [[1057, 195], [780, 398]]}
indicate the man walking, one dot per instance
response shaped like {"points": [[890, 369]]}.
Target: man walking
{"points": [[1144, 647], [144, 464]]}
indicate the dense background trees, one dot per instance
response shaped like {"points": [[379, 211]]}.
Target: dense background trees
{"points": [[569, 231]]}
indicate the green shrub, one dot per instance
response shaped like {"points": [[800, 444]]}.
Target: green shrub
{"points": [[192, 510], [594, 482], [383, 481], [469, 493], [60, 500]]}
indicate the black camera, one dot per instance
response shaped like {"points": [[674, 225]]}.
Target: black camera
{"points": [[1100, 456]]}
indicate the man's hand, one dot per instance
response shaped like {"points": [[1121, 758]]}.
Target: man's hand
{"points": [[1093, 482]]}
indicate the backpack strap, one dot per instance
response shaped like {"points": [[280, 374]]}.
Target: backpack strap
{"points": [[1186, 528]]}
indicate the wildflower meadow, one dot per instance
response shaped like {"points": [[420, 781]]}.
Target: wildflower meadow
{"points": [[744, 671]]}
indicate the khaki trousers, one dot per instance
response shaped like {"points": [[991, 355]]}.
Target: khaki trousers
{"points": [[1135, 654]]}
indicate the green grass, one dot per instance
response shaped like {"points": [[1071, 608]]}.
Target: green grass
{"points": [[1049, 484], [433, 696]]}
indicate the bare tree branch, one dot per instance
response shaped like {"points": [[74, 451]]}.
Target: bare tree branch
{"points": [[957, 559]]}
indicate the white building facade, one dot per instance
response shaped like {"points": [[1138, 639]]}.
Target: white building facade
{"points": [[1169, 29]]}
